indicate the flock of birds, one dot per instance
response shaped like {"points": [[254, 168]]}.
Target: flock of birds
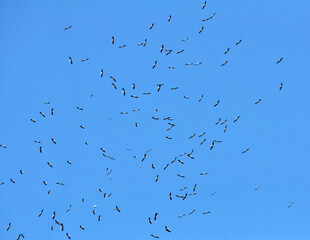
{"points": [[159, 86]]}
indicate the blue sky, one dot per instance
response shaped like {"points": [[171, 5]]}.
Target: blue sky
{"points": [[35, 69]]}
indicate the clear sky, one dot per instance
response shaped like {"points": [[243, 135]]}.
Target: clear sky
{"points": [[35, 68]]}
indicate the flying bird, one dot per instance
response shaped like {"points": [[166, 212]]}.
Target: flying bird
{"points": [[281, 86], [50, 165], [167, 229], [246, 150], [162, 48], [291, 204], [226, 51], [66, 28], [70, 60], [258, 101], [101, 73], [223, 64], [212, 145], [168, 51], [84, 60], [69, 208], [280, 60], [217, 103], [40, 214], [204, 4], [152, 26], [169, 18], [201, 29], [154, 65], [112, 40], [239, 42], [237, 118], [225, 129], [117, 209], [192, 212], [206, 212], [159, 86]]}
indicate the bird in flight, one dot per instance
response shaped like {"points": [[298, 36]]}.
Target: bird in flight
{"points": [[201, 29], [204, 4], [223, 64], [84, 60], [66, 28], [167, 229], [239, 42], [280, 60], [245, 150], [258, 101], [152, 26], [159, 86], [169, 18], [117, 209], [40, 214], [154, 65], [101, 73], [290, 205], [9, 226], [217, 103], [281, 86], [70, 60], [112, 40], [226, 51], [236, 119]]}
